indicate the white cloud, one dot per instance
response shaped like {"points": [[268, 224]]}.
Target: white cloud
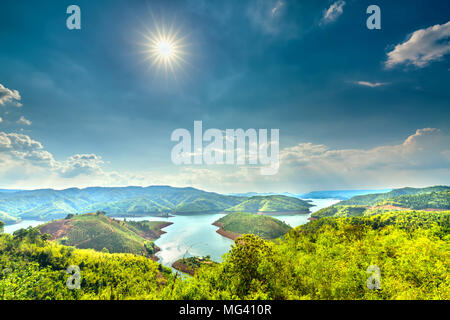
{"points": [[423, 158], [420, 159], [81, 164], [422, 47], [371, 84], [276, 9], [333, 12], [268, 16], [1, 119], [24, 121], [9, 96]]}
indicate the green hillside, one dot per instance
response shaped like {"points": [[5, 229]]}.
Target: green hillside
{"points": [[249, 223], [8, 219], [273, 203], [372, 199], [101, 233], [432, 198], [49, 204], [325, 259]]}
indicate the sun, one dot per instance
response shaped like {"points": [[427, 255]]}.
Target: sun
{"points": [[164, 48]]}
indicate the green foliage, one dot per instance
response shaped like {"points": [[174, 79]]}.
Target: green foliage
{"points": [[8, 219], [372, 199], [191, 265], [243, 222], [328, 259], [55, 204], [435, 198], [2, 224], [150, 247], [32, 268], [323, 259], [273, 203], [431, 200], [97, 231]]}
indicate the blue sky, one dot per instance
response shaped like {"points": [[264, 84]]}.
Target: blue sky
{"points": [[356, 108]]}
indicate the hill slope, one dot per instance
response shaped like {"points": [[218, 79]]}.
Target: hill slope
{"points": [[238, 223], [274, 203], [96, 231], [8, 219], [431, 198], [372, 199], [49, 204]]}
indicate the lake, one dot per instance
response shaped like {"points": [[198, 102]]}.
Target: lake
{"points": [[193, 234]]}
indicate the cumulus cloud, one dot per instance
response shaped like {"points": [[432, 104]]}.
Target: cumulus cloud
{"points": [[371, 84], [24, 160], [81, 164], [422, 47], [24, 121], [423, 158], [9, 96], [333, 12]]}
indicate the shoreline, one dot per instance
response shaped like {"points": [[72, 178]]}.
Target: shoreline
{"points": [[225, 233], [183, 268]]}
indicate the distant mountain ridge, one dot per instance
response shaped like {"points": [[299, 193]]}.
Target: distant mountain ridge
{"points": [[47, 204], [325, 194], [435, 198], [340, 194]]}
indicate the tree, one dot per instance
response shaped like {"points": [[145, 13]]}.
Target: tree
{"points": [[2, 224]]}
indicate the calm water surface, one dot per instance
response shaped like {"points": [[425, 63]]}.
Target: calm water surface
{"points": [[194, 235]]}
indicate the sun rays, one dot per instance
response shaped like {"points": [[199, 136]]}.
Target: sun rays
{"points": [[164, 48]]}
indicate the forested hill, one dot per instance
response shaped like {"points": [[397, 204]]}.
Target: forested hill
{"points": [[99, 232], [431, 198], [237, 223], [273, 203], [48, 204], [325, 259], [372, 199]]}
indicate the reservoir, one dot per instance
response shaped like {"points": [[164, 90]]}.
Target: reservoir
{"points": [[194, 234]]}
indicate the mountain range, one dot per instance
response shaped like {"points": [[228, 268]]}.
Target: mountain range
{"points": [[46, 204], [326, 194]]}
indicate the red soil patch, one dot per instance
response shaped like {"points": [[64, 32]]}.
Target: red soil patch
{"points": [[57, 229], [224, 233]]}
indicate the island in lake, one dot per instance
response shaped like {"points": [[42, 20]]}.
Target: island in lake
{"points": [[191, 265], [235, 224]]}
